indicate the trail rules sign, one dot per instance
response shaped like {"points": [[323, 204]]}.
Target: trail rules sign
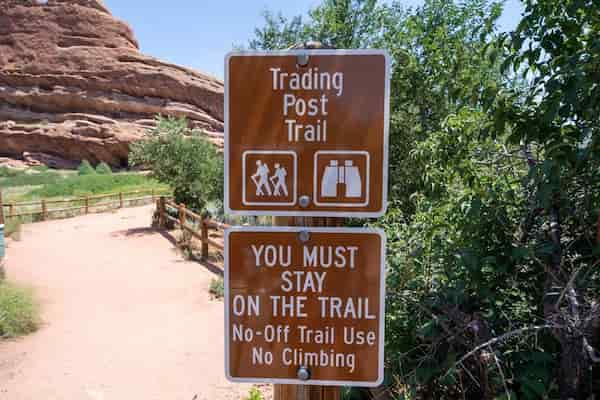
{"points": [[306, 132], [304, 305]]}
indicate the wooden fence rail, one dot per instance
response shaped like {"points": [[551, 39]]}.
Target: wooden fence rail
{"points": [[76, 203], [199, 230]]}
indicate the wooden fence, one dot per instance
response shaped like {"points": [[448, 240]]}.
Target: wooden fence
{"points": [[88, 204], [199, 230]]}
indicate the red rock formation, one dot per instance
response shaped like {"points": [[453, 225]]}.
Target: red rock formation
{"points": [[73, 84]]}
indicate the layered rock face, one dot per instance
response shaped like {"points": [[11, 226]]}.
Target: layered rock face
{"points": [[73, 84]]}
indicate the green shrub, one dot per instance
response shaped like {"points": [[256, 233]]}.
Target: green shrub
{"points": [[255, 394], [184, 159], [85, 168], [217, 288], [18, 311], [6, 172], [103, 169], [494, 178]]}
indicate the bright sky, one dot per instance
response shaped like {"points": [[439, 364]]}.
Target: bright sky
{"points": [[198, 33]]}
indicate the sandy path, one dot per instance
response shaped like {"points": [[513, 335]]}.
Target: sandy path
{"points": [[123, 316]]}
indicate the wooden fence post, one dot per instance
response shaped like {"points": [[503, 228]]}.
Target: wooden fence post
{"points": [[161, 212], [120, 199], [2, 245], [306, 392], [1, 210], [44, 210], [87, 204], [204, 236], [181, 215]]}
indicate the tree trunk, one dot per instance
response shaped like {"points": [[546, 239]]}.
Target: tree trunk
{"points": [[574, 362], [574, 367]]}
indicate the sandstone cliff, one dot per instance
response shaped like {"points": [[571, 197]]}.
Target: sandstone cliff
{"points": [[74, 85]]}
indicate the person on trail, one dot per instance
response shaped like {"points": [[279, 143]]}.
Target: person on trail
{"points": [[280, 185], [261, 179]]}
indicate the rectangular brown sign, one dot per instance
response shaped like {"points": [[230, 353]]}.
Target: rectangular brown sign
{"points": [[304, 305], [306, 132]]}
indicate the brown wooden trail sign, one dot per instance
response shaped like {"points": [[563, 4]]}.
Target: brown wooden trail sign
{"points": [[304, 305], [307, 139]]}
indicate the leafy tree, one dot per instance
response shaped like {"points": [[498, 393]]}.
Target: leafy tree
{"points": [[85, 168], [278, 32], [440, 68], [335, 23], [555, 119], [491, 152], [438, 55], [184, 159], [103, 169]]}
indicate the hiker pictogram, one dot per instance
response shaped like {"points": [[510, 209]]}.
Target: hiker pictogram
{"points": [[269, 177], [261, 179], [279, 182]]}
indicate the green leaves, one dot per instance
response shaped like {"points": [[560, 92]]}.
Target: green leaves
{"points": [[489, 134], [184, 159]]}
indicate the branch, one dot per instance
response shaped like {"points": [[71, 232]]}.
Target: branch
{"points": [[532, 162], [598, 229], [568, 288], [501, 338], [533, 211], [501, 373], [591, 351], [528, 222]]}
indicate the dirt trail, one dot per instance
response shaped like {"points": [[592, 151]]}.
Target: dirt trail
{"points": [[124, 317]]}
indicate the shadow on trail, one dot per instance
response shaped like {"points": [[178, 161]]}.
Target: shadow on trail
{"points": [[145, 231], [135, 232], [214, 268]]}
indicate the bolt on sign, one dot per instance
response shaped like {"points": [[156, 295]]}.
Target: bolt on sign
{"points": [[306, 132], [304, 305]]}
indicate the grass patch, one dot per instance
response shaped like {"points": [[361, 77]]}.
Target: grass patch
{"points": [[81, 185], [13, 178], [217, 288], [19, 313], [40, 182], [6, 172]]}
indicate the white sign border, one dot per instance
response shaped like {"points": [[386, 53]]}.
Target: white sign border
{"points": [[386, 128], [382, 291]]}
